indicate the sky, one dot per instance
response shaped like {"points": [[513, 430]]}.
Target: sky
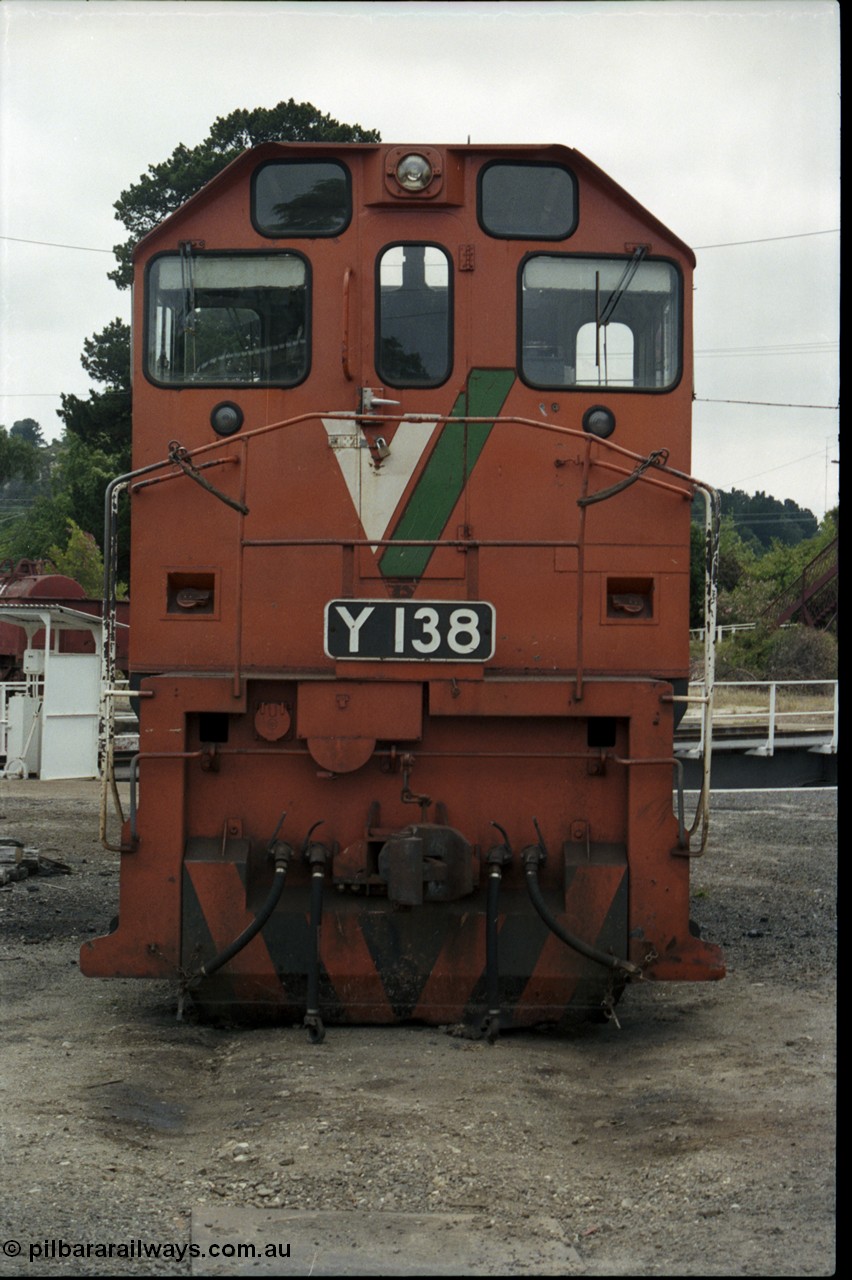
{"points": [[722, 117]]}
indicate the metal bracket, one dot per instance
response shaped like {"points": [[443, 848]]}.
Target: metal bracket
{"points": [[348, 442]]}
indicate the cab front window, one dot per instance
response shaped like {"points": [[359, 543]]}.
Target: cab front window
{"points": [[227, 319], [527, 201], [600, 322], [414, 331], [309, 198]]}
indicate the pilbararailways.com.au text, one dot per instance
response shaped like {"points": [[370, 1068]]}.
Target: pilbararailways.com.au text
{"points": [[53, 1249]]}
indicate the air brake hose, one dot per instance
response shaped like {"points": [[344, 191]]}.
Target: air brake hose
{"points": [[498, 858], [316, 856], [532, 856], [491, 1024], [282, 853]]}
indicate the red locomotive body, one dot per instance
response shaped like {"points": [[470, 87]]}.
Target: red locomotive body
{"points": [[410, 567]]}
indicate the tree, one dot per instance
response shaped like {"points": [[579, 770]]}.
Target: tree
{"points": [[18, 456], [106, 356], [32, 528], [19, 473], [26, 473], [749, 577], [28, 429], [73, 474], [80, 559], [762, 520], [168, 185], [103, 420], [736, 557], [753, 526]]}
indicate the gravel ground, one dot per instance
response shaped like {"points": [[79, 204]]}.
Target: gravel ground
{"points": [[695, 1139]]}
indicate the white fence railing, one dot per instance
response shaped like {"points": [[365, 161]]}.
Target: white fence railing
{"points": [[721, 632], [774, 708]]}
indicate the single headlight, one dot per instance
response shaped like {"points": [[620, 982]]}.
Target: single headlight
{"points": [[414, 173]]}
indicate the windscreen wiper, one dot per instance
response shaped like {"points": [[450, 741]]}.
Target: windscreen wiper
{"points": [[187, 280], [623, 285]]}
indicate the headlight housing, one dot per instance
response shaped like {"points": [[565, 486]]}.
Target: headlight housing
{"points": [[414, 172]]}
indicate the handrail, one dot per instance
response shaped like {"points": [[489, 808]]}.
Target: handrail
{"points": [[712, 537]]}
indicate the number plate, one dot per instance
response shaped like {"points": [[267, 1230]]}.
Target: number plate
{"points": [[410, 630]]}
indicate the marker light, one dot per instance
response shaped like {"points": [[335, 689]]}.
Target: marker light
{"points": [[599, 421], [226, 418]]}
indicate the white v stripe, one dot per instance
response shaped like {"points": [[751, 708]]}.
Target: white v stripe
{"points": [[376, 491]]}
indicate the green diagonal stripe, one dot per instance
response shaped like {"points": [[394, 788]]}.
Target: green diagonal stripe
{"points": [[446, 473]]}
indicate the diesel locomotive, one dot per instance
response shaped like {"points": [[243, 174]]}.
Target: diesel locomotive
{"points": [[410, 576]]}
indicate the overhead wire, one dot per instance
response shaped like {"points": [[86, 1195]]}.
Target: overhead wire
{"points": [[771, 404], [53, 244], [796, 235]]}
